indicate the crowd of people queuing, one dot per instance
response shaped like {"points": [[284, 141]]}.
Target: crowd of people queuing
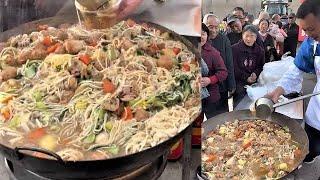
{"points": [[235, 49]]}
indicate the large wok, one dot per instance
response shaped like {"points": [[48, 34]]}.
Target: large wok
{"points": [[297, 132], [56, 168]]}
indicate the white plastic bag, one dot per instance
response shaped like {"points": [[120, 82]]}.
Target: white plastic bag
{"points": [[269, 77], [273, 71]]}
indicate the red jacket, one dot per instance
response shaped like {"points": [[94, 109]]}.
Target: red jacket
{"points": [[217, 70]]}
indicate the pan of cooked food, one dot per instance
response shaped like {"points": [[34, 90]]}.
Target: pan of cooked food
{"points": [[88, 104], [240, 145]]}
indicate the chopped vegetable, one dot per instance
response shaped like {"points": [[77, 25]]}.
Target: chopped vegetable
{"points": [[108, 86], [37, 96], [211, 157], [127, 114], [185, 67], [283, 166], [165, 62], [112, 149], [140, 52], [109, 125], [89, 139], [5, 98], [85, 58], [15, 122], [30, 71], [5, 112], [37, 133], [49, 142], [41, 105], [176, 50], [81, 104], [246, 143], [47, 41], [112, 53], [53, 48]]}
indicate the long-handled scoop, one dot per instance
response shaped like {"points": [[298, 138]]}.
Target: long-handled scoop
{"points": [[265, 106]]}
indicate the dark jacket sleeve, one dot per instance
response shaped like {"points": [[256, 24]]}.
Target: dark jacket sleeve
{"points": [[239, 74], [229, 63], [260, 63], [221, 72]]}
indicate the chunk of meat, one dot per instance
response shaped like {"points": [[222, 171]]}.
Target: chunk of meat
{"points": [[62, 35], [71, 84], [141, 114], [148, 65], [76, 69], [8, 73], [38, 52], [74, 46], [10, 60], [126, 44], [111, 104], [128, 94], [66, 96]]}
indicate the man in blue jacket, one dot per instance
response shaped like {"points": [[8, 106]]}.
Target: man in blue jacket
{"points": [[307, 60]]}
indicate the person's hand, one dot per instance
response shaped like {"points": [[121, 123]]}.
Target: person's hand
{"points": [[127, 7], [252, 78], [275, 94], [205, 81]]}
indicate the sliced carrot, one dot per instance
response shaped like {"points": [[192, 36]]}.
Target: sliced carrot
{"points": [[37, 133], [53, 48], [7, 99], [211, 157], [131, 22], [5, 112], [176, 50], [246, 145], [127, 114], [85, 58], [108, 87], [47, 41], [42, 27], [185, 67]]}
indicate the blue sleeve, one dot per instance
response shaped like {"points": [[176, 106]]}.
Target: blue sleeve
{"points": [[304, 59]]}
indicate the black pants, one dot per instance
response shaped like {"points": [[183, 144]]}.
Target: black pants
{"points": [[314, 142], [209, 108]]}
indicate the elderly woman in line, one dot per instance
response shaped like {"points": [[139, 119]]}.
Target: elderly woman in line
{"points": [[248, 60]]}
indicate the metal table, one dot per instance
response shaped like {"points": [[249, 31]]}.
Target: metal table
{"points": [[307, 171]]}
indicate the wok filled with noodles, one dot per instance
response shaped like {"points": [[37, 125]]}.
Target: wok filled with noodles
{"points": [[96, 95]]}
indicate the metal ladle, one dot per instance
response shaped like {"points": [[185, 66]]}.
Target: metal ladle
{"points": [[265, 106]]}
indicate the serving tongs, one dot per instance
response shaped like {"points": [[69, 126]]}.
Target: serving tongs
{"points": [[265, 106]]}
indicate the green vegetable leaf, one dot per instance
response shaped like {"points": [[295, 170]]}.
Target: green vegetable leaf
{"points": [[89, 139], [30, 71], [41, 105], [15, 122], [112, 149], [37, 95]]}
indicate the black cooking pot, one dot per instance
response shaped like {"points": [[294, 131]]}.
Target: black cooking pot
{"points": [[94, 169], [299, 135]]}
